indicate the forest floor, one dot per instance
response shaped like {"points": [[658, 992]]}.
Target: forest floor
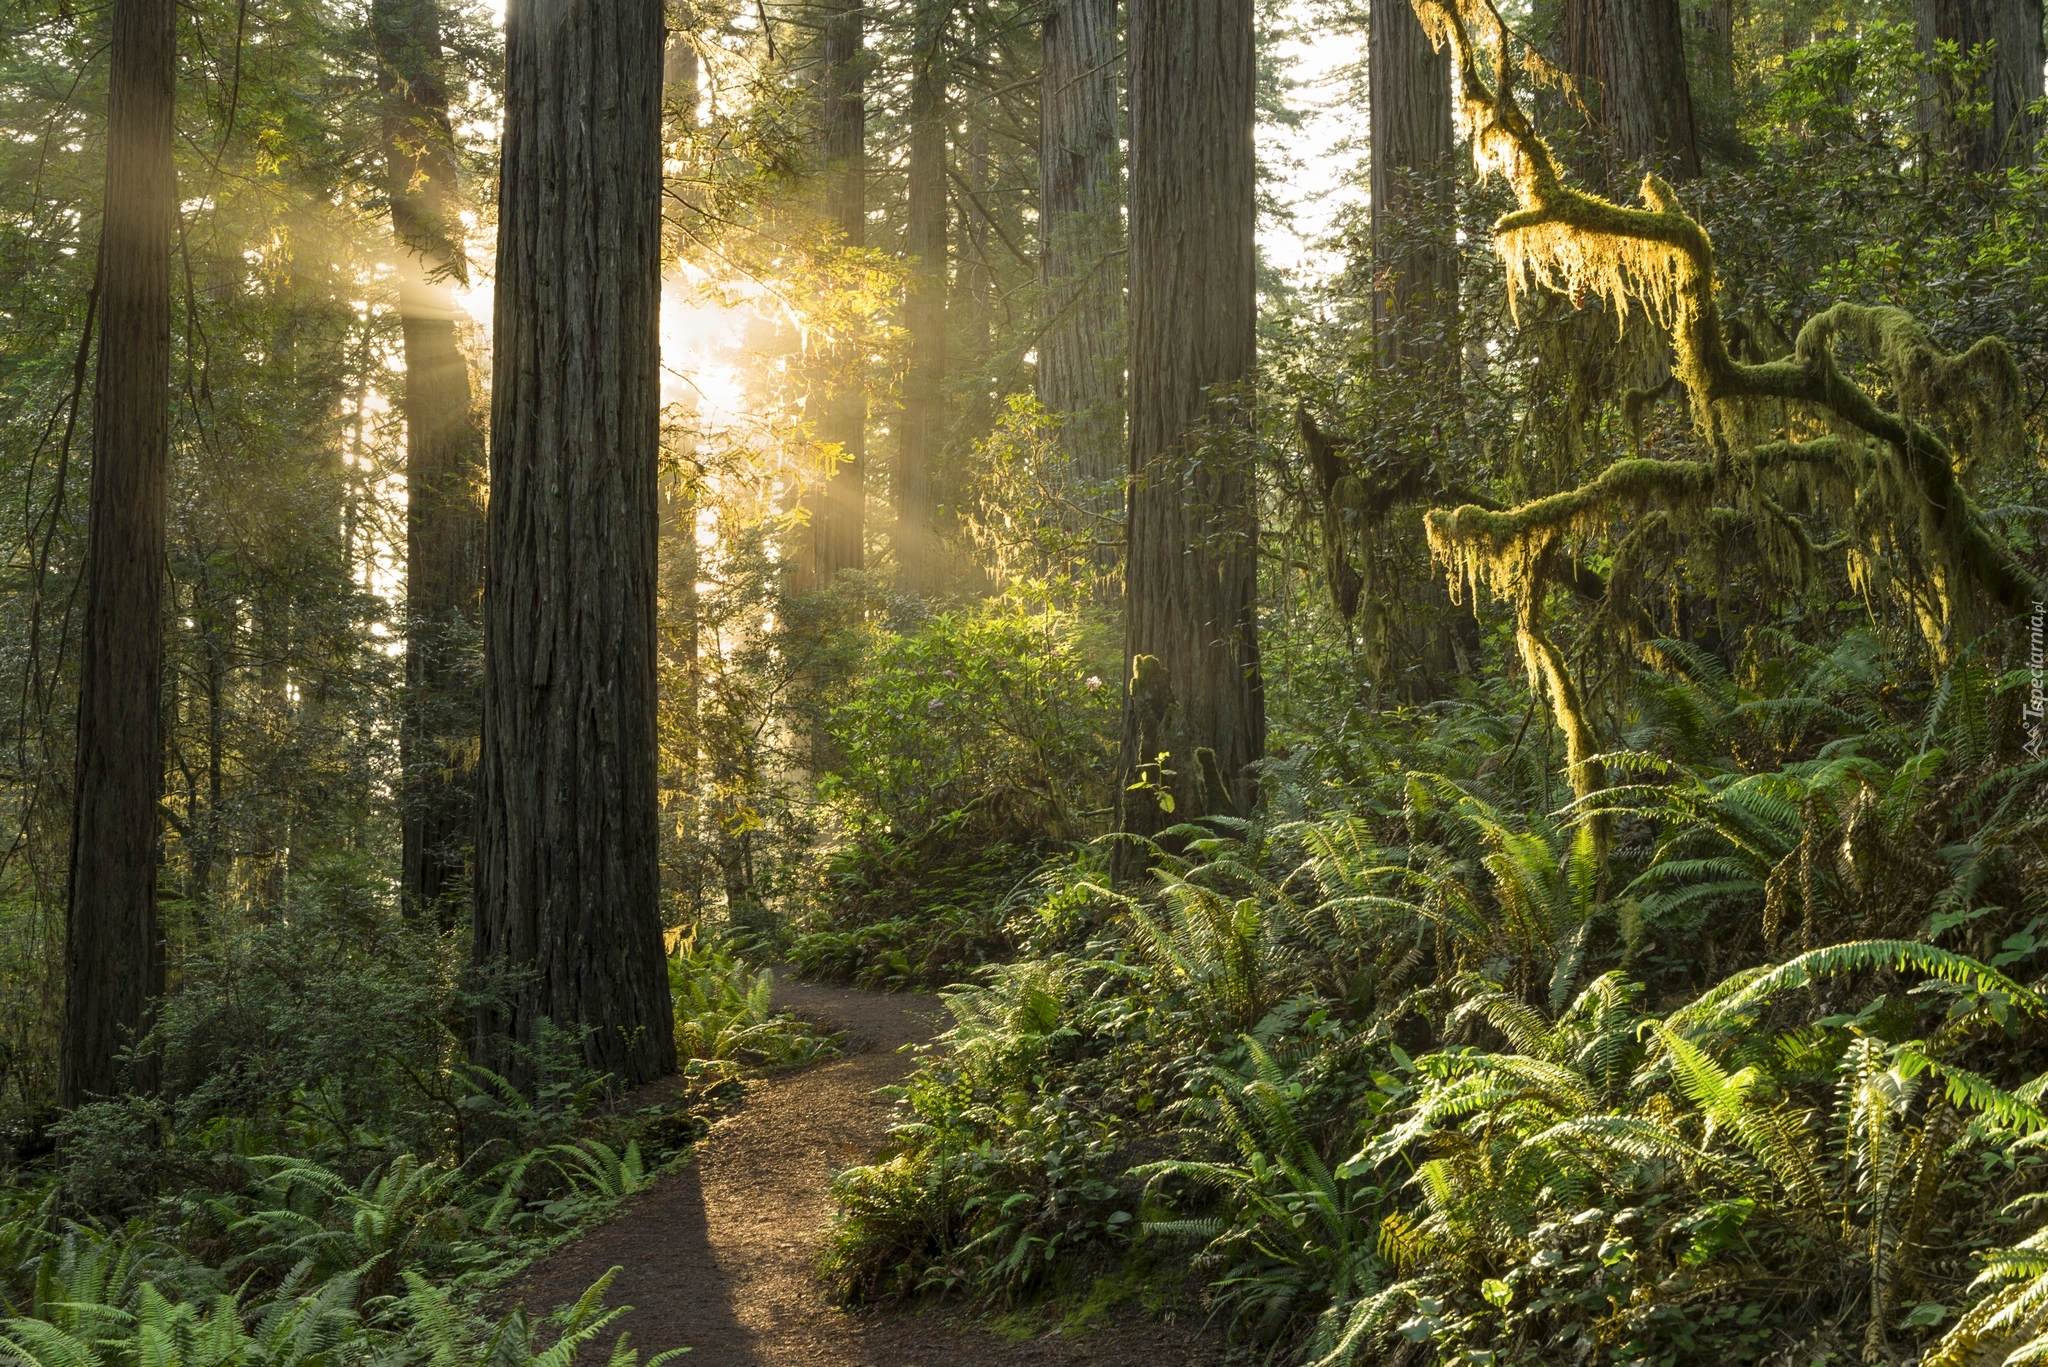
{"points": [[720, 1255]]}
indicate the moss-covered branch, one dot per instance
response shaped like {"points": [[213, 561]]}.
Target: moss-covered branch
{"points": [[1658, 257], [1356, 495], [1504, 549]]}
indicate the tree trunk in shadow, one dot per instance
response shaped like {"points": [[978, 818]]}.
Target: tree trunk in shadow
{"points": [[1082, 350], [1629, 60], [567, 880], [924, 310], [1988, 122], [113, 947], [443, 466], [1191, 628]]}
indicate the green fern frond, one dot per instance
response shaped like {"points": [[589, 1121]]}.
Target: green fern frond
{"points": [[1741, 994], [1965, 1088]]}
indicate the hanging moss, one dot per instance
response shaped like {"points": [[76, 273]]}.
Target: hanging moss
{"points": [[1504, 551], [1976, 391], [1912, 529]]}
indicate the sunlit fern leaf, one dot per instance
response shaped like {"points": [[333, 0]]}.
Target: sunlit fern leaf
{"points": [[1776, 1138], [2014, 1307], [1402, 1240], [579, 1323], [1737, 996], [1967, 1089], [1519, 1022], [1610, 1141], [608, 1173]]}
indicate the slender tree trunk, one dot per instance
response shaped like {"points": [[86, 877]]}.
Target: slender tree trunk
{"points": [[1415, 268], [977, 282], [1629, 58], [113, 949], [1714, 105], [206, 844], [924, 310], [2004, 131], [567, 871], [1080, 233], [679, 79], [443, 465], [839, 525], [679, 564], [1190, 622], [1415, 319], [680, 670]]}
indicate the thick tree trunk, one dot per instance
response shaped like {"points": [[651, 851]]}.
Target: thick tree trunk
{"points": [[1415, 314], [113, 949], [443, 466], [924, 310], [1081, 351], [1629, 59], [2004, 131], [1414, 151], [1190, 622], [567, 872]]}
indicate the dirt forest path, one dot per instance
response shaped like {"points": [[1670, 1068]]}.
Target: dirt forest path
{"points": [[719, 1255]]}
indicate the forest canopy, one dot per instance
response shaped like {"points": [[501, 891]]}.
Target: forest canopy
{"points": [[1425, 617]]}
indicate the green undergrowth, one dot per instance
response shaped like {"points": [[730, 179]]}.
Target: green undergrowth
{"points": [[1414, 1070], [923, 912], [293, 1200], [972, 746]]}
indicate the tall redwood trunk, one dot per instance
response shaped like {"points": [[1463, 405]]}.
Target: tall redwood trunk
{"points": [[839, 523], [2000, 129], [443, 465], [1190, 623], [1415, 330], [1080, 234], [113, 949], [1415, 269], [567, 875], [924, 310], [1629, 59]]}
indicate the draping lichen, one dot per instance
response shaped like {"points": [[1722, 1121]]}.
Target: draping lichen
{"points": [[1786, 438]]}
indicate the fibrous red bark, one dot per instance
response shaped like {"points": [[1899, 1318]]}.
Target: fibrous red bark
{"points": [[567, 876], [1191, 629], [113, 948]]}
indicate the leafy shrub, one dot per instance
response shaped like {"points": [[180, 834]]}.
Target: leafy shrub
{"points": [[991, 703], [724, 1013], [973, 745], [1427, 1080]]}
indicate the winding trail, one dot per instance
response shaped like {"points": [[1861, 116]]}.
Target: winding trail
{"points": [[718, 1256]]}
